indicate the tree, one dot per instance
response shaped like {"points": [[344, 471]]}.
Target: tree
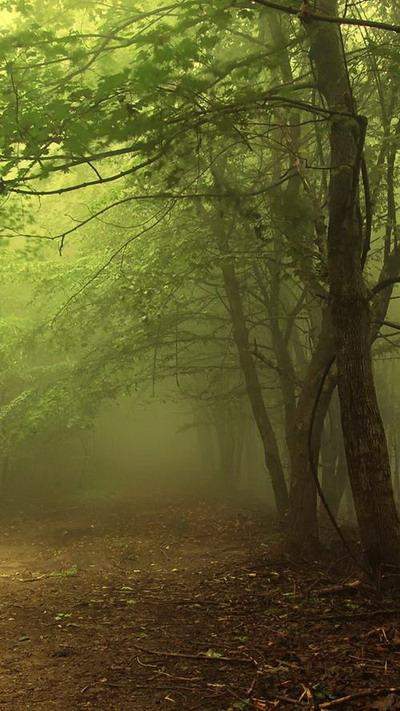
{"points": [[350, 306], [171, 82]]}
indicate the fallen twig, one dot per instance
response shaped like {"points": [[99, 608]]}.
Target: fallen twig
{"points": [[342, 588], [359, 695], [363, 614], [203, 657], [163, 601], [252, 686], [34, 579]]}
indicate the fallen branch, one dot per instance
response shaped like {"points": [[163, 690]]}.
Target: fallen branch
{"points": [[38, 577], [359, 695], [343, 587], [148, 687], [203, 657], [171, 601]]}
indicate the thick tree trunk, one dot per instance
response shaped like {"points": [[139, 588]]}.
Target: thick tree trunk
{"points": [[364, 436]]}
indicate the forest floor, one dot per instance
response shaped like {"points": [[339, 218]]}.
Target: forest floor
{"points": [[184, 606]]}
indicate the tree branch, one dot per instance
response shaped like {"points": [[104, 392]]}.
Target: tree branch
{"points": [[309, 14], [384, 284]]}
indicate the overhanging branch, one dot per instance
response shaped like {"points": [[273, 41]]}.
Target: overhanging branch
{"points": [[305, 13], [385, 284]]}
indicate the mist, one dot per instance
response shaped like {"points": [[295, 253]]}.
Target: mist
{"points": [[199, 369]]}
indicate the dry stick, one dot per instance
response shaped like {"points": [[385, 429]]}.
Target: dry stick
{"points": [[179, 655], [345, 587], [151, 687], [359, 695], [158, 600], [252, 686], [35, 579]]}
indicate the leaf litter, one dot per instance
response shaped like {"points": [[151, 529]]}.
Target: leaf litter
{"points": [[139, 614]]}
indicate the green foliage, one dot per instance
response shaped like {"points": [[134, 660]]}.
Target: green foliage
{"points": [[148, 104]]}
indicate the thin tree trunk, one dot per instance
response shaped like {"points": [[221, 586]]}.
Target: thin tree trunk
{"points": [[302, 531], [333, 460], [329, 461], [250, 374], [341, 480], [303, 521], [206, 447], [240, 433], [253, 386], [364, 436], [5, 475], [396, 473], [226, 449], [334, 475]]}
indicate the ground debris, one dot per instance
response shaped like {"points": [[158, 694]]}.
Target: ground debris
{"points": [[216, 624]]}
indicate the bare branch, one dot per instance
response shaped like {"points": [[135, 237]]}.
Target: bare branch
{"points": [[385, 284]]}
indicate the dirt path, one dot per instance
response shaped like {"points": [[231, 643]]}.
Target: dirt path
{"points": [[96, 603]]}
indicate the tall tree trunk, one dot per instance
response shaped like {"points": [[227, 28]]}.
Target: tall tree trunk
{"points": [[240, 433], [364, 436], [333, 459], [396, 473], [206, 444], [328, 462], [246, 359], [287, 215], [5, 475], [341, 481], [303, 523], [253, 385], [226, 451], [334, 479]]}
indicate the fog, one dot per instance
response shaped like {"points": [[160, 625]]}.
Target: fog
{"points": [[150, 449], [199, 354]]}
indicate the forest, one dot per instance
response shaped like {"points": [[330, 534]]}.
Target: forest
{"points": [[199, 366]]}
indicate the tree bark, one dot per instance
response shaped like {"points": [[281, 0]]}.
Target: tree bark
{"points": [[302, 531], [396, 473], [241, 337], [333, 460], [253, 385], [364, 437]]}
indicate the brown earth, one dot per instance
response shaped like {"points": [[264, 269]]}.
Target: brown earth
{"points": [[148, 606]]}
